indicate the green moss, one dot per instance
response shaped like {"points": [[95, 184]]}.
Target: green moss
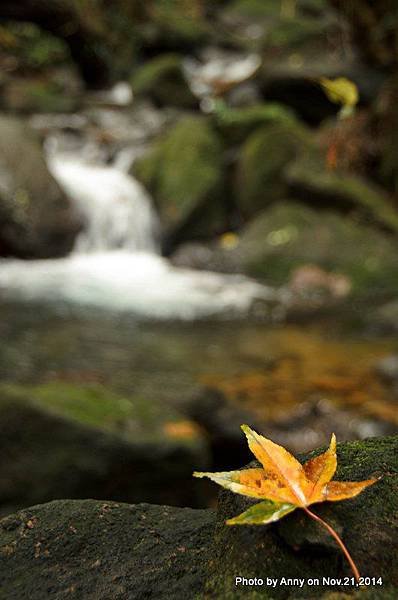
{"points": [[262, 163], [368, 525], [282, 238], [237, 123], [183, 172], [179, 22], [162, 79], [39, 96], [58, 440], [294, 33], [91, 405], [34, 47], [345, 191], [257, 9]]}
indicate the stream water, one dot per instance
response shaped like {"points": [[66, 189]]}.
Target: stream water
{"points": [[116, 263], [116, 313]]}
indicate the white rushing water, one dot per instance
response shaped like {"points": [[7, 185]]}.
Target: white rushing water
{"points": [[115, 263]]}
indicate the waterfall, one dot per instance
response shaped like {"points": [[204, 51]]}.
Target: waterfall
{"points": [[115, 263], [115, 209]]}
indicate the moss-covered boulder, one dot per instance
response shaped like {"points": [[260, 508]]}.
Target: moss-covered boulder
{"points": [[236, 124], [36, 219], [176, 24], [95, 550], [289, 235], [162, 79], [64, 441], [26, 95], [310, 180], [262, 162], [297, 548], [294, 40], [183, 172]]}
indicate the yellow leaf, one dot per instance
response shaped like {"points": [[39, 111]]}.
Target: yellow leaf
{"points": [[340, 91], [283, 480], [279, 465], [341, 490], [252, 483], [320, 470], [284, 485]]}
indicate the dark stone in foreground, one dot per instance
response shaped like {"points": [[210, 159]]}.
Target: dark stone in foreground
{"points": [[94, 550], [106, 551], [297, 547]]}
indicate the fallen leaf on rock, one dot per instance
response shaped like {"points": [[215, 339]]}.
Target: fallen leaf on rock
{"points": [[284, 484]]}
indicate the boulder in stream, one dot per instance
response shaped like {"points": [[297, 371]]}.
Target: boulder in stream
{"points": [[183, 173], [60, 440], [281, 239], [36, 218], [162, 80]]}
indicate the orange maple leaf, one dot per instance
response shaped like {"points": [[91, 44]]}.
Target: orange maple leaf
{"points": [[284, 484]]}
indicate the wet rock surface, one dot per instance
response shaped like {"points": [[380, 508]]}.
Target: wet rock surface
{"points": [[37, 219], [104, 549], [295, 548], [91, 549], [183, 172], [60, 440]]}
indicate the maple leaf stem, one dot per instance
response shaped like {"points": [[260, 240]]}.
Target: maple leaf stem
{"points": [[338, 540]]}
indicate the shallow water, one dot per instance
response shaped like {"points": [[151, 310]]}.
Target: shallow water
{"points": [[273, 372]]}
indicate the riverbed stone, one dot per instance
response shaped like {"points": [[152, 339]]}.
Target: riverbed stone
{"points": [[281, 239], [62, 440], [310, 180], [36, 218], [162, 80], [262, 162], [236, 124], [183, 173]]}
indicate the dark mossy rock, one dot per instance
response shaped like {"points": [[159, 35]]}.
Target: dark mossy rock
{"points": [[162, 79], [27, 95], [294, 39], [310, 180], [275, 28], [183, 173], [64, 441], [95, 550], [281, 239], [296, 548], [236, 124], [176, 25], [80, 31], [36, 219], [262, 162], [365, 17]]}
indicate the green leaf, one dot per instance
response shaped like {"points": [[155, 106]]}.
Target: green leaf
{"points": [[262, 513]]}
